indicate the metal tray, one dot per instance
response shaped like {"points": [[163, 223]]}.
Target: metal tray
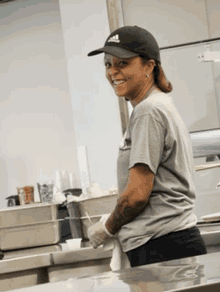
{"points": [[85, 223], [97, 206], [27, 214], [30, 235], [11, 254]]}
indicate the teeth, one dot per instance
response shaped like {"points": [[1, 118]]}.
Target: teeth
{"points": [[118, 82]]}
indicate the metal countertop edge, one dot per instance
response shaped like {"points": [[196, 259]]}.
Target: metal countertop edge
{"points": [[79, 255], [51, 259], [25, 263]]}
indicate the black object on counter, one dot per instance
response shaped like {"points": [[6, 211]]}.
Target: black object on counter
{"points": [[65, 224], [73, 192], [13, 201], [74, 219], [71, 226], [1, 255]]}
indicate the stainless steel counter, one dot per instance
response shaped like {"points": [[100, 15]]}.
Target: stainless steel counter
{"points": [[50, 264], [198, 274], [24, 268], [55, 263], [49, 256]]}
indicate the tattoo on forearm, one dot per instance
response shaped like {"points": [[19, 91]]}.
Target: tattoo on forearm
{"points": [[125, 211]]}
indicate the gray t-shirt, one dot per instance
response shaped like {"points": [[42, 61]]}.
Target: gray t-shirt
{"points": [[157, 136]]}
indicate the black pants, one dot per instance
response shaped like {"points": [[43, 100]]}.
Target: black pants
{"points": [[175, 245]]}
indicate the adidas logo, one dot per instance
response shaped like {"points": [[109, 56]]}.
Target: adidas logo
{"points": [[114, 39]]}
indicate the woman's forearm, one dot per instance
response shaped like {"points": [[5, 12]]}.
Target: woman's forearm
{"points": [[125, 211], [133, 199]]}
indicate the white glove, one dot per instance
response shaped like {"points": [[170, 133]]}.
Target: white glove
{"points": [[98, 234]]}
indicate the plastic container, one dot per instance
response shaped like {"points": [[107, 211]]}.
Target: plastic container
{"points": [[74, 243], [29, 194], [45, 190], [21, 195]]}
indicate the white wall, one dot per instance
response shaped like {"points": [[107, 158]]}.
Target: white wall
{"points": [[181, 22], [95, 106], [36, 116]]}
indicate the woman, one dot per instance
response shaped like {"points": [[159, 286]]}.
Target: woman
{"points": [[153, 217]]}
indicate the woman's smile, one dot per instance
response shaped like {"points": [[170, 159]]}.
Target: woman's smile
{"points": [[119, 84], [127, 76]]}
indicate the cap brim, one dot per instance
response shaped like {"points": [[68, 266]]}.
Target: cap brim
{"points": [[115, 51]]}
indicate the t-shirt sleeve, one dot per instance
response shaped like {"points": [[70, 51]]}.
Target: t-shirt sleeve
{"points": [[147, 142]]}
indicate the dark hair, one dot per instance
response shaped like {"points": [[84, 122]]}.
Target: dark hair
{"points": [[159, 76]]}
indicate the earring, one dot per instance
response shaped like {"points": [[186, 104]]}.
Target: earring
{"points": [[147, 75]]}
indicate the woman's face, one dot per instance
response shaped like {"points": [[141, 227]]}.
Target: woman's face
{"points": [[128, 77]]}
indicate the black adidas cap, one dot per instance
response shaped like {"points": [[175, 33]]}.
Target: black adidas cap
{"points": [[130, 41]]}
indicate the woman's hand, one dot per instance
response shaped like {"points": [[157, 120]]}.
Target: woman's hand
{"points": [[130, 204], [98, 234]]}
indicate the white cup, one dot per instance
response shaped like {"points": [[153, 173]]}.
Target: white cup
{"points": [[74, 243]]}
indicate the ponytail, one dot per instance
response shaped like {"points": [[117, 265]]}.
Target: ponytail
{"points": [[159, 76], [161, 80]]}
